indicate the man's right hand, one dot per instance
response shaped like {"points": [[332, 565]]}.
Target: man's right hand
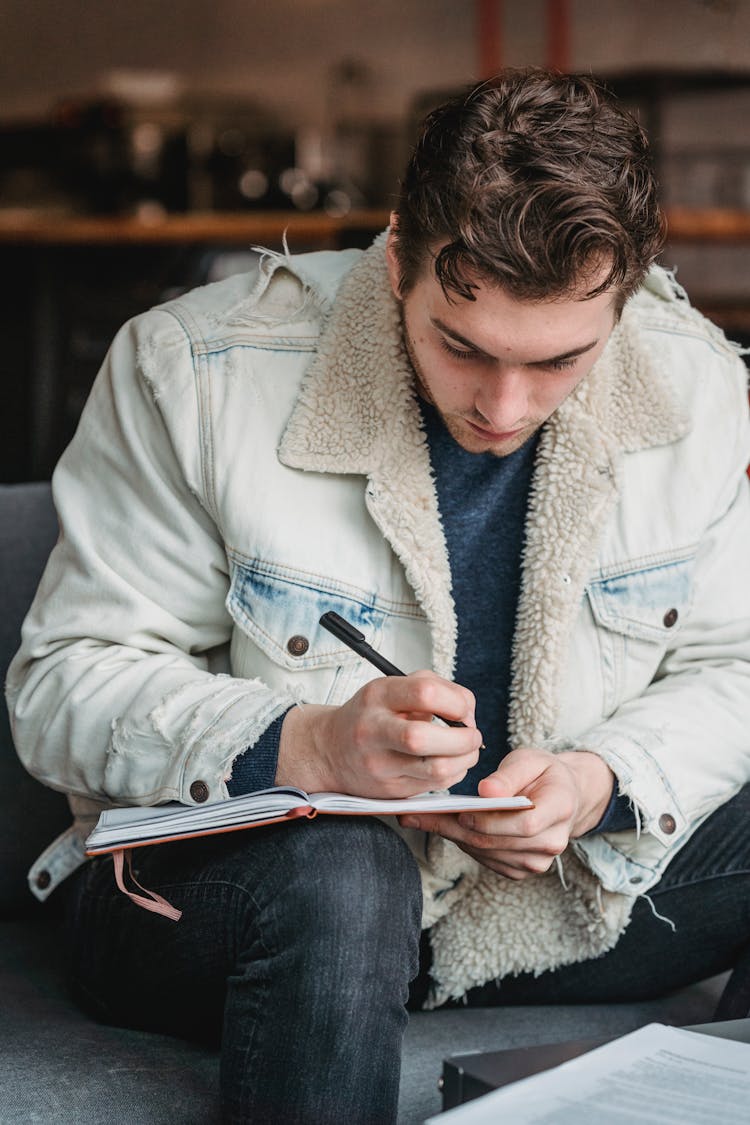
{"points": [[382, 742]]}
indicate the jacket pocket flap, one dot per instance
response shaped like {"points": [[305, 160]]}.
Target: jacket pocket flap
{"points": [[648, 603], [280, 613]]}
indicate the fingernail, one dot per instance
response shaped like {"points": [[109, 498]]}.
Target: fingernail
{"points": [[409, 822]]}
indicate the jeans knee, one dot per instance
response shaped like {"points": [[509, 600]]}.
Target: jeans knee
{"points": [[358, 867], [353, 882]]}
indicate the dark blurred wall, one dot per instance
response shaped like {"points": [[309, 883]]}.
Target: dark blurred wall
{"points": [[285, 49]]}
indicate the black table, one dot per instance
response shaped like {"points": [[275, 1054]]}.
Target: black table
{"points": [[466, 1077]]}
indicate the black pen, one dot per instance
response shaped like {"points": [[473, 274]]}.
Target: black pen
{"points": [[357, 643]]}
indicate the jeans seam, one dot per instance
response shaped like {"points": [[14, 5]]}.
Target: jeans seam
{"points": [[209, 884]]}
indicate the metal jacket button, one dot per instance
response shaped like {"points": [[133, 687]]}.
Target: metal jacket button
{"points": [[670, 618], [199, 792], [297, 645], [667, 823]]}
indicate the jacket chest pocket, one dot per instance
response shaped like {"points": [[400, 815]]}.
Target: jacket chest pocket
{"points": [[277, 613], [639, 613]]}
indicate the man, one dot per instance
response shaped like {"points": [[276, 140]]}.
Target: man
{"points": [[506, 449]]}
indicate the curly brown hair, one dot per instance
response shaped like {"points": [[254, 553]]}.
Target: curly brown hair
{"points": [[534, 181]]}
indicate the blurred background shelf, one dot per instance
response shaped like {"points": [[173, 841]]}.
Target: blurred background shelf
{"points": [[151, 149], [311, 229], [686, 224], [708, 225]]}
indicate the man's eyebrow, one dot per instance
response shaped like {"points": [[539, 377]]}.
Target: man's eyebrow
{"points": [[446, 328], [572, 354]]}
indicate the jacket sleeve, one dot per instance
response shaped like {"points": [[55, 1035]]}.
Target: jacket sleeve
{"points": [[682, 748], [118, 691]]}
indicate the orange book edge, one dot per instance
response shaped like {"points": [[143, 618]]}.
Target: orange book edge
{"points": [[292, 814]]}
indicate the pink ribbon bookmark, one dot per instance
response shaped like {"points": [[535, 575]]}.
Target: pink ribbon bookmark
{"points": [[153, 901]]}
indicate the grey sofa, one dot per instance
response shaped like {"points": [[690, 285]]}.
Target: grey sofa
{"points": [[57, 1066]]}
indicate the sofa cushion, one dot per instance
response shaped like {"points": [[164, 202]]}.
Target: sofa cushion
{"points": [[57, 1065], [84, 1071], [30, 814]]}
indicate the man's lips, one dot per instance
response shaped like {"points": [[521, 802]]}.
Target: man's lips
{"points": [[492, 435]]}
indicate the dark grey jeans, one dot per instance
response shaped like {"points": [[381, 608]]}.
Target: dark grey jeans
{"points": [[298, 942], [295, 948]]}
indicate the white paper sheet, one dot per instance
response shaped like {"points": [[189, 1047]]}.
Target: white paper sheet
{"points": [[659, 1074]]}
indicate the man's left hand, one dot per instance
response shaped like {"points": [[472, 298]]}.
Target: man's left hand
{"points": [[570, 791]]}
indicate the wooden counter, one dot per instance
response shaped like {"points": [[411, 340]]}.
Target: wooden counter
{"points": [[215, 228], [708, 225], [714, 225]]}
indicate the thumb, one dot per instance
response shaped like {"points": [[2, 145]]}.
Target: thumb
{"points": [[496, 785], [514, 775]]}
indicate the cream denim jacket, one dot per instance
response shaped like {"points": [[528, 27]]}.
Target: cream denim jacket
{"points": [[252, 455]]}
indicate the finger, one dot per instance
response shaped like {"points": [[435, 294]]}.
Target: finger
{"points": [[499, 823], [428, 694], [516, 773], [438, 773], [427, 740], [443, 824], [523, 867], [510, 872], [516, 874], [517, 832], [401, 746], [435, 771], [515, 851], [545, 826]]}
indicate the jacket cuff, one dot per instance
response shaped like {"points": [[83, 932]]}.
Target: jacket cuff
{"points": [[632, 753]]}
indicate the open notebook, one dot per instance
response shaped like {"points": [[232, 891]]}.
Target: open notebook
{"points": [[133, 827]]}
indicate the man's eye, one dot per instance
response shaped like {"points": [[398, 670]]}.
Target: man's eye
{"points": [[457, 353], [562, 364]]}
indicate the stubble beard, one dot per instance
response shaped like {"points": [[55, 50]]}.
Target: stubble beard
{"points": [[456, 424]]}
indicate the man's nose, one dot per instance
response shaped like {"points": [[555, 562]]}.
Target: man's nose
{"points": [[503, 399]]}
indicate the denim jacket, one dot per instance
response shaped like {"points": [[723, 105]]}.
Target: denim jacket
{"points": [[252, 455]]}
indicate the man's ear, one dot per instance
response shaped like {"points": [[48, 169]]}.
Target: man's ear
{"points": [[391, 257]]}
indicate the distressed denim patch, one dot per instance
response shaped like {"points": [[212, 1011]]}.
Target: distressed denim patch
{"points": [[281, 611], [641, 602]]}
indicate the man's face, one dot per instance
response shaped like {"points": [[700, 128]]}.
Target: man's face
{"points": [[496, 368]]}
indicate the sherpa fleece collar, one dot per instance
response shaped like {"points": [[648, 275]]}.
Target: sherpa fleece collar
{"points": [[360, 386]]}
